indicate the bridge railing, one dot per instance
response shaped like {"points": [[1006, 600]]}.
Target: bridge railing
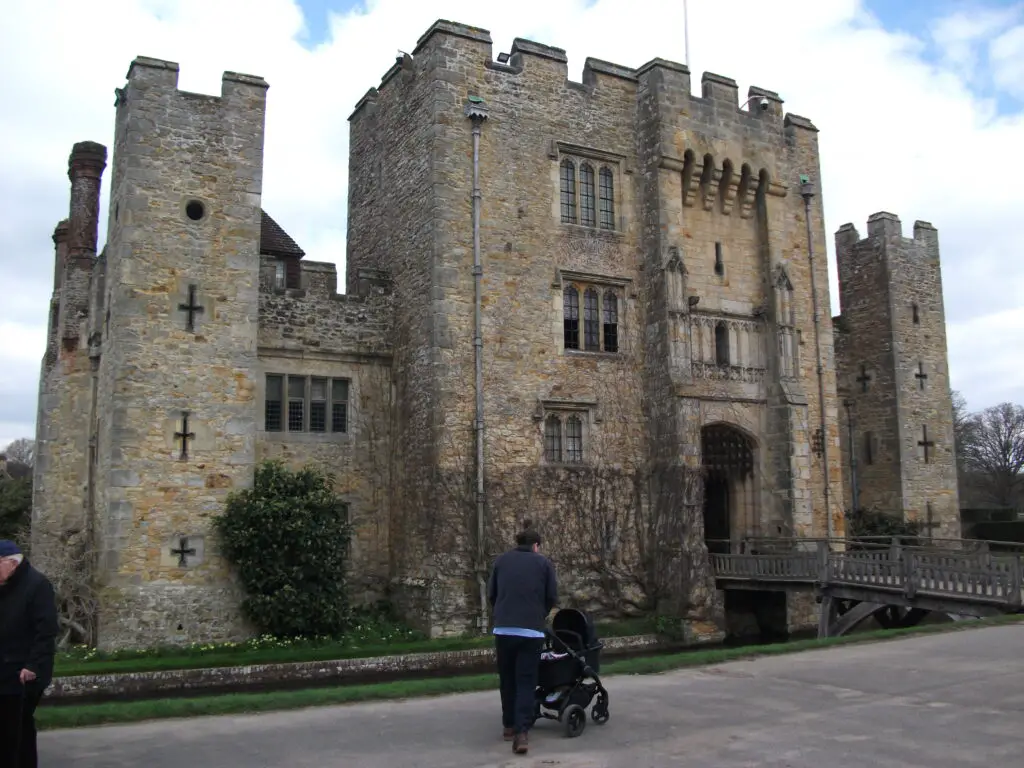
{"points": [[973, 573], [997, 580], [783, 566]]}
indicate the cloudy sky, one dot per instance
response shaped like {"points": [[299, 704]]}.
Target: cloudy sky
{"points": [[920, 104]]}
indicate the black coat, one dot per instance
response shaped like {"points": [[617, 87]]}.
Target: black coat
{"points": [[522, 589], [28, 628]]}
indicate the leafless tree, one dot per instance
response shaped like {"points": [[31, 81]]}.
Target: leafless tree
{"points": [[994, 452], [22, 451], [963, 428], [65, 554]]}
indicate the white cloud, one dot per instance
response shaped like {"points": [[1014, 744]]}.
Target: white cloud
{"points": [[897, 133], [962, 36], [1006, 55]]}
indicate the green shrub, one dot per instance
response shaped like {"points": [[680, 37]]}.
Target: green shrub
{"points": [[867, 523], [288, 536], [15, 506]]}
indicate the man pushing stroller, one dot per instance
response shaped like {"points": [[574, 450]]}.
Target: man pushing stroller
{"points": [[522, 591]]}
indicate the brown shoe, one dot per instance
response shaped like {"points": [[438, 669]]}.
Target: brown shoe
{"points": [[520, 743], [509, 733]]}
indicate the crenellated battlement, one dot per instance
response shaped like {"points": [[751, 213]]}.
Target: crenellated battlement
{"points": [[448, 45], [149, 73], [886, 227], [315, 317]]}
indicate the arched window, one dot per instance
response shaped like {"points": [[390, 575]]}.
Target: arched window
{"points": [[574, 440], [591, 320], [587, 213], [568, 184], [611, 322], [606, 199], [571, 317], [552, 439], [722, 344]]}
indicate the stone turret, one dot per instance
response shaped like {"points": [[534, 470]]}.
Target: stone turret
{"points": [[894, 372]]}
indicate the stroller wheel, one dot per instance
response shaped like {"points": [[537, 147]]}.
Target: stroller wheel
{"points": [[574, 720], [599, 712]]}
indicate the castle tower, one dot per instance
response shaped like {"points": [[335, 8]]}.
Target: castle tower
{"points": [[60, 474], [645, 289], [176, 416], [894, 372], [742, 336]]}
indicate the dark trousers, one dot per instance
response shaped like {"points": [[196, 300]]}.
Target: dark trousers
{"points": [[18, 728], [518, 662]]}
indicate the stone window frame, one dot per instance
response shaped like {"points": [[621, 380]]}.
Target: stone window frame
{"points": [[605, 166], [603, 286], [332, 413], [565, 413], [287, 274]]}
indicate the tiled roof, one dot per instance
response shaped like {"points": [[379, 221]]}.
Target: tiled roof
{"points": [[274, 241]]}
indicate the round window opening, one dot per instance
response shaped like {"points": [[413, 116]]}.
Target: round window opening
{"points": [[195, 210]]}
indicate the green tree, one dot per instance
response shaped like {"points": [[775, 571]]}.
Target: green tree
{"points": [[15, 506], [288, 538]]}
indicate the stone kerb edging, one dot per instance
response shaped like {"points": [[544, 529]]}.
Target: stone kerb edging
{"points": [[342, 670]]}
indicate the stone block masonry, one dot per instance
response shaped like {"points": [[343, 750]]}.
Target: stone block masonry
{"points": [[696, 232], [894, 372], [647, 319], [176, 424], [337, 350]]}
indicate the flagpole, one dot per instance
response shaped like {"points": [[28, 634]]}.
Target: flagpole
{"points": [[686, 35]]}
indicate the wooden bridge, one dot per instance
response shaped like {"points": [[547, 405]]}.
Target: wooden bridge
{"points": [[899, 581]]}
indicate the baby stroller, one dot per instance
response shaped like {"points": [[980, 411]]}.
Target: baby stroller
{"points": [[568, 677]]}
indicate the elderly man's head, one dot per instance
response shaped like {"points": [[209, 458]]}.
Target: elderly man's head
{"points": [[10, 559]]}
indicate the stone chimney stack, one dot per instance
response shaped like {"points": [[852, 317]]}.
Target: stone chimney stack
{"points": [[60, 244], [85, 169]]}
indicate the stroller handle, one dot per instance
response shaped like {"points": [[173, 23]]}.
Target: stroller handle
{"points": [[552, 636]]}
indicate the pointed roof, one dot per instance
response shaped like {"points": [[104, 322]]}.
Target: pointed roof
{"points": [[274, 241]]}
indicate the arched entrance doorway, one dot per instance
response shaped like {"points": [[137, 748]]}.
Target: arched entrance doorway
{"points": [[727, 455]]}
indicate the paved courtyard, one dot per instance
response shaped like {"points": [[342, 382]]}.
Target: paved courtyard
{"points": [[927, 702]]}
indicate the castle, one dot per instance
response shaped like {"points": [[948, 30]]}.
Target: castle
{"points": [[601, 303]]}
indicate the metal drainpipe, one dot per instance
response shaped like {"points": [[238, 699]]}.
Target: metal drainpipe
{"points": [[476, 111], [807, 192]]}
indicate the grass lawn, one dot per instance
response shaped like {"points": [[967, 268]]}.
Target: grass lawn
{"points": [[280, 653], [52, 717]]}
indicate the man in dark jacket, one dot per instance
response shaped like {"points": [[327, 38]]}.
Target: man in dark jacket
{"points": [[522, 591], [28, 630]]}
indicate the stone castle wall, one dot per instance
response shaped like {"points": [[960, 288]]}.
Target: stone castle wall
{"points": [[62, 482], [315, 333], [728, 232], [536, 119], [893, 364], [705, 250], [177, 435], [393, 222]]}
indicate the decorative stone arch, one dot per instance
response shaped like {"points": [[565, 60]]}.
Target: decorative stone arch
{"points": [[709, 179], [729, 459]]}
